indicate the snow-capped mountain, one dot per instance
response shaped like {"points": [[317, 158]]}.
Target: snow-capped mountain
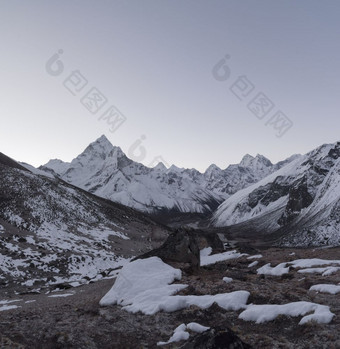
{"points": [[106, 171], [301, 200], [53, 232], [239, 176]]}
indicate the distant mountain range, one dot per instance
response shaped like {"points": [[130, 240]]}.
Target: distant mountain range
{"points": [[70, 221], [106, 171], [298, 197], [301, 201]]}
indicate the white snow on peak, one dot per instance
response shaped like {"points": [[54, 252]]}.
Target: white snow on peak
{"points": [[212, 170], [246, 160], [160, 167], [174, 168], [235, 209], [106, 171]]}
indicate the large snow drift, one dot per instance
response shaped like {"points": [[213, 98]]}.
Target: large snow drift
{"points": [[144, 285]]}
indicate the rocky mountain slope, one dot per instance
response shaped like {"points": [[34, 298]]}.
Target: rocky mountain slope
{"points": [[301, 200], [52, 232], [105, 170]]}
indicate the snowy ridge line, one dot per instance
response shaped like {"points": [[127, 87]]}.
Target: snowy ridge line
{"points": [[106, 171], [301, 199]]}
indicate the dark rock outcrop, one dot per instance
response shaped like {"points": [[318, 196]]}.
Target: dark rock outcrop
{"points": [[216, 338], [299, 198], [180, 247]]}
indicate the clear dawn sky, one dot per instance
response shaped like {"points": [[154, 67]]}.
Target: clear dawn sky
{"points": [[196, 82]]}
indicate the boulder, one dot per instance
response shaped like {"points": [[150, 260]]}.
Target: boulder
{"points": [[216, 338], [180, 247]]}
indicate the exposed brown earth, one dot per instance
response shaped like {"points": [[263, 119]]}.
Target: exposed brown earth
{"points": [[78, 321]]}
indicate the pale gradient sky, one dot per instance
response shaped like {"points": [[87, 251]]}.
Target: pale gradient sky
{"points": [[153, 60]]}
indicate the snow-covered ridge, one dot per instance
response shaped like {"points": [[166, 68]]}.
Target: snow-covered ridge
{"points": [[303, 195], [105, 170], [52, 232]]}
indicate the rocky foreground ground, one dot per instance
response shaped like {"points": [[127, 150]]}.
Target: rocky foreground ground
{"points": [[75, 319]]}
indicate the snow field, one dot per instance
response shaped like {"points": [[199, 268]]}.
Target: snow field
{"points": [[145, 286]]}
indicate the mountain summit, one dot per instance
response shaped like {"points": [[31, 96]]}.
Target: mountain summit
{"points": [[104, 169]]}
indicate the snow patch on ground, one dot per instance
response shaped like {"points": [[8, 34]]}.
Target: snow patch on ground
{"points": [[180, 332], [326, 288], [256, 256], [326, 271], [279, 270], [8, 307], [254, 264], [219, 257], [4, 304], [61, 295], [269, 312], [195, 327], [205, 252], [313, 262], [145, 285], [227, 280]]}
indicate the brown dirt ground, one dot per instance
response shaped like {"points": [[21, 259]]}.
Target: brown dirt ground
{"points": [[79, 322]]}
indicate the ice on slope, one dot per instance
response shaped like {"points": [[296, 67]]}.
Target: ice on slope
{"points": [[269, 312], [144, 285]]}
